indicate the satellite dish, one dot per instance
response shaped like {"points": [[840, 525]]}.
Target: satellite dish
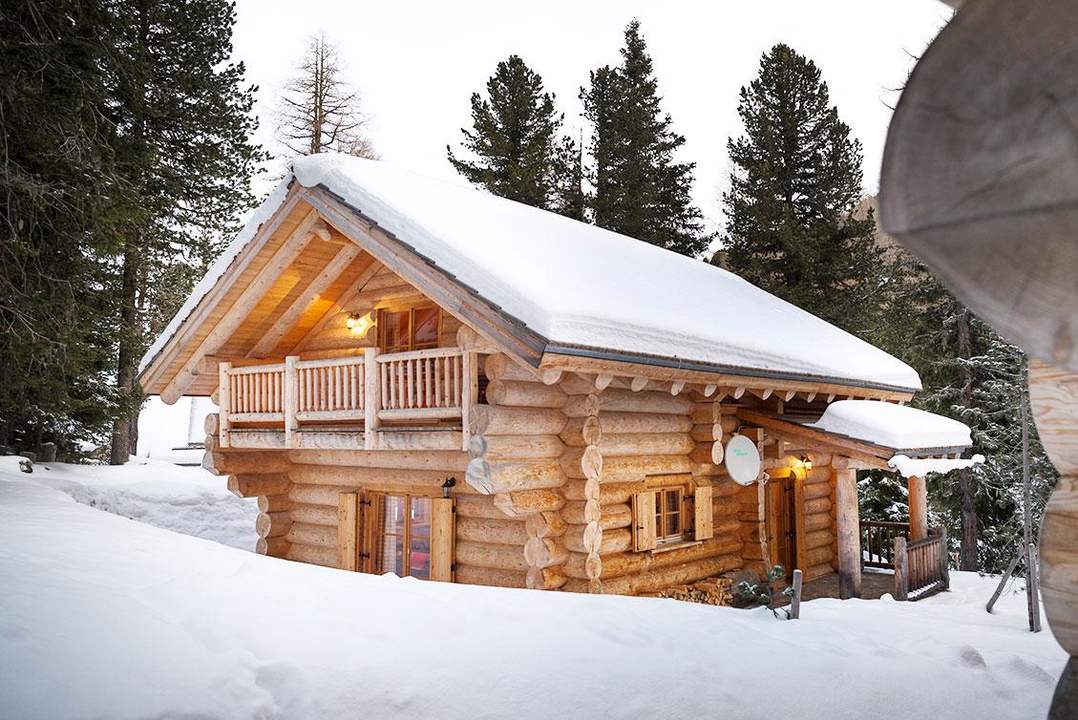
{"points": [[742, 460]]}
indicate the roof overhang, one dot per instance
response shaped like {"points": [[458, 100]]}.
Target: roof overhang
{"points": [[869, 453]]}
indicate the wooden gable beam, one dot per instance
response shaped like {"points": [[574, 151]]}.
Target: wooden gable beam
{"points": [[185, 333], [312, 292], [513, 337], [337, 307], [244, 304], [846, 446]]}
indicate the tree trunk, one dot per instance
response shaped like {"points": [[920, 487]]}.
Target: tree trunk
{"points": [[967, 557], [127, 357]]}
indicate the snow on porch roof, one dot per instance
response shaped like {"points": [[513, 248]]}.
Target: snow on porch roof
{"points": [[585, 289], [898, 427]]}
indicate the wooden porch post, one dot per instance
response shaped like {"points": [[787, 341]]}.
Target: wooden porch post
{"points": [[848, 520], [224, 404], [372, 398], [289, 406], [918, 508]]}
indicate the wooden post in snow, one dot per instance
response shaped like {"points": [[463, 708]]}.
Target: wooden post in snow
{"points": [[795, 601], [901, 570], [918, 502], [847, 519]]}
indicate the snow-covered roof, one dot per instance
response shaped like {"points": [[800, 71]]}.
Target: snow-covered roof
{"points": [[899, 427], [582, 287], [919, 467]]}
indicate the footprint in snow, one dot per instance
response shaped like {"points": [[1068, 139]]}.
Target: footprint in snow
{"points": [[1030, 671], [972, 658]]}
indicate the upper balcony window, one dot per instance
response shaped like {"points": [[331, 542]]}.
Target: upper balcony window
{"points": [[412, 329]]}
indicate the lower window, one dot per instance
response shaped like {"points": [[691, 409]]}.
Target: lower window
{"points": [[399, 535], [672, 522]]}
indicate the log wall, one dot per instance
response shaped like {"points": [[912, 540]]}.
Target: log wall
{"points": [[544, 492]]}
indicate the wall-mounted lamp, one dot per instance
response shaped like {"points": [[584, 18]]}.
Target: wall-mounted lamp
{"points": [[360, 324], [805, 462]]}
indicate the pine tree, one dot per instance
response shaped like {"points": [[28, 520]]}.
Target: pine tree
{"points": [[56, 181], [640, 190], [183, 120], [319, 111], [514, 141], [796, 179]]}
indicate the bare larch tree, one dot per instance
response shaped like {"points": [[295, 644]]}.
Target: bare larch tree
{"points": [[319, 111]]}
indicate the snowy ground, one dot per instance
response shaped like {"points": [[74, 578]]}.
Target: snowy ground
{"points": [[102, 616]]}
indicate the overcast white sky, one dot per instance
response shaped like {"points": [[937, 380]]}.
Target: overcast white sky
{"points": [[416, 63]]}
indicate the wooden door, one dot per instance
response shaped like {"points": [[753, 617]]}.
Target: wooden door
{"points": [[783, 526]]}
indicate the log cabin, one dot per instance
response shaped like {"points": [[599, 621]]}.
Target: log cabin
{"points": [[421, 378]]}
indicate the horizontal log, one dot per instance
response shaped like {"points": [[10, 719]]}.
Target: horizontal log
{"points": [[433, 460], [624, 423], [582, 431], [321, 495], [545, 524], [477, 506], [548, 578], [501, 420], [817, 556], [493, 577], [816, 475], [618, 400], [327, 556], [243, 462], [656, 579], [515, 447], [254, 485], [316, 535], [706, 432], [613, 541], [817, 521], [634, 444], [624, 563], [507, 476], [523, 502], [576, 384], [418, 440], [273, 503], [274, 547], [819, 505], [819, 490], [544, 552], [818, 538], [503, 531], [314, 514], [818, 571], [491, 555], [367, 476], [502, 367], [609, 493], [269, 525], [631, 469], [524, 394], [609, 517]]}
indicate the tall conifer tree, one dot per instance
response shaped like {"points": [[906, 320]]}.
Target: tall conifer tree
{"points": [[514, 141], [796, 179], [183, 120], [57, 183], [640, 189]]}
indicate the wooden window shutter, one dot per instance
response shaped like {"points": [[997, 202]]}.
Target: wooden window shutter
{"points": [[370, 532], [442, 534], [644, 521], [702, 514], [348, 531]]}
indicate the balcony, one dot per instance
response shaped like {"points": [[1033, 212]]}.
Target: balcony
{"points": [[373, 401]]}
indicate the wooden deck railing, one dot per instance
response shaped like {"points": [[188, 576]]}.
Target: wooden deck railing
{"points": [[921, 566], [424, 383], [409, 388], [878, 542]]}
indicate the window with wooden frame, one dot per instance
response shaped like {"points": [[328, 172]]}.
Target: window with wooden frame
{"points": [[408, 535], [672, 511], [416, 328]]}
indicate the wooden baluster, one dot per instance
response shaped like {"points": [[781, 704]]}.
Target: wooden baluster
{"points": [[409, 399], [337, 389], [225, 397], [438, 382], [401, 385]]}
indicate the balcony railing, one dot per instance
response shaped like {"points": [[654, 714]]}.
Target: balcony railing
{"points": [[407, 388]]}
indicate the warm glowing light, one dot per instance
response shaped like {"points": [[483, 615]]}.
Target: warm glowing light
{"points": [[359, 324], [805, 462]]}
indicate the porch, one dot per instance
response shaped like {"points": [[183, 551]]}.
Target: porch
{"points": [[391, 401]]}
